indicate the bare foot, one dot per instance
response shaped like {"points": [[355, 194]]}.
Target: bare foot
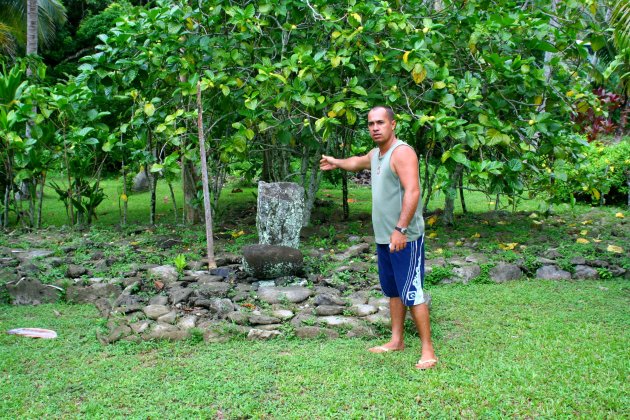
{"points": [[386, 348], [426, 364]]}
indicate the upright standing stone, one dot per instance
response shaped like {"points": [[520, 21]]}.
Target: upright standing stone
{"points": [[280, 213]]}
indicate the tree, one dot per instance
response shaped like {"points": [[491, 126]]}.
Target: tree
{"points": [[13, 22]]}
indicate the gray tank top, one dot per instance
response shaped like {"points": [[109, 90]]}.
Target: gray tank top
{"points": [[387, 197]]}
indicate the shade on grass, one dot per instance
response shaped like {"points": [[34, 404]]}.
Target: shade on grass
{"points": [[530, 348]]}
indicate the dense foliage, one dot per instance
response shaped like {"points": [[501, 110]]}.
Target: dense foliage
{"points": [[484, 90]]}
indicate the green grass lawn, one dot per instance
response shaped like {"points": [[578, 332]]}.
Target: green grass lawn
{"points": [[522, 349]]}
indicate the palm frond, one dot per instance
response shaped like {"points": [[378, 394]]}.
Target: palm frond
{"points": [[7, 41], [620, 22]]}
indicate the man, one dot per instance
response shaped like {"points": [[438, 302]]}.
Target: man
{"points": [[398, 228]]}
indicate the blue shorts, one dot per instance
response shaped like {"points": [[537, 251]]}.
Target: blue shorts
{"points": [[402, 273]]}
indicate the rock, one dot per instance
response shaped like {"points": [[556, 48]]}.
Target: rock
{"points": [[280, 213], [545, 261], [360, 331], [578, 261], [315, 332], [282, 314], [90, 294], [338, 321], [503, 272], [327, 310], [168, 318], [227, 259], [363, 310], [25, 256], [476, 259], [328, 299], [167, 332], [263, 320], [552, 254], [355, 267], [179, 295], [293, 294], [159, 300], [140, 326], [269, 327], [140, 182], [28, 269], [258, 334], [213, 290], [466, 273], [381, 317], [155, 311], [583, 272], [551, 272], [381, 303], [187, 322], [358, 298], [208, 278], [165, 273], [327, 290], [118, 332], [220, 307], [352, 251], [32, 292], [240, 318], [75, 271], [598, 263], [272, 261], [303, 318]]}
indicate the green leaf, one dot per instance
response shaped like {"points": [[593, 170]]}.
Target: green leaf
{"points": [[149, 109], [359, 90]]}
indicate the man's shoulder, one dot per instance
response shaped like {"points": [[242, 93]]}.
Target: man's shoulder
{"points": [[402, 148]]}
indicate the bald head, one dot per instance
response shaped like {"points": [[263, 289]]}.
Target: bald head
{"points": [[388, 111]]}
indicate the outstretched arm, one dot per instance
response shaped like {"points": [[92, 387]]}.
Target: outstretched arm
{"points": [[354, 163]]}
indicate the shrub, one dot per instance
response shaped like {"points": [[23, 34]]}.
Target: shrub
{"points": [[602, 178]]}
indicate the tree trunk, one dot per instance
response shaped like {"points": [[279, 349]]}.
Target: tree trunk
{"points": [[461, 193], [152, 183], [32, 20], [449, 198], [170, 187], [204, 177], [189, 180], [41, 200], [125, 195]]}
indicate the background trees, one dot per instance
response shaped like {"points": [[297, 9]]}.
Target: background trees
{"points": [[486, 91]]}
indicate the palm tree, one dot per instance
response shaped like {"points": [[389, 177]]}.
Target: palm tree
{"points": [[13, 18], [620, 23]]}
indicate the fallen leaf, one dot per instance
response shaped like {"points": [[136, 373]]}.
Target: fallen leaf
{"points": [[351, 200], [433, 235], [619, 215], [583, 232], [587, 222], [476, 235], [432, 220], [237, 234], [614, 248], [508, 247], [158, 285], [533, 216], [459, 243], [439, 251], [501, 222], [582, 241], [597, 240]]}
